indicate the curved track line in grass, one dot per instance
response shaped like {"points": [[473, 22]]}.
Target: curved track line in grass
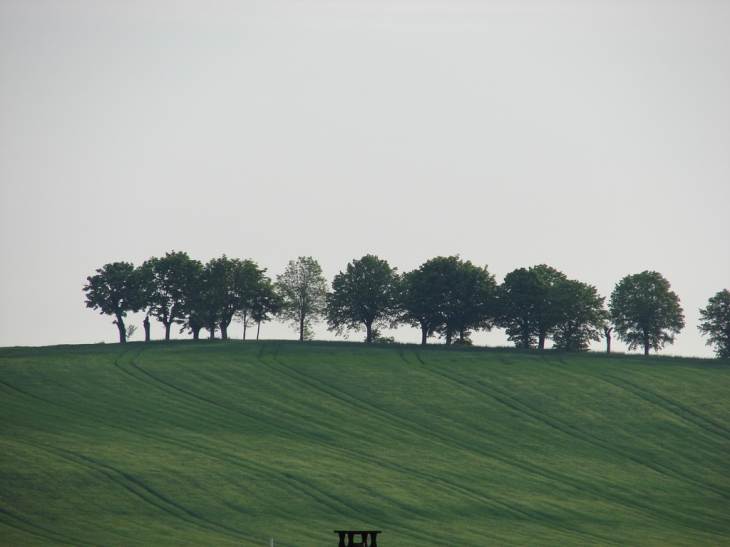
{"points": [[391, 417], [636, 392], [576, 433], [673, 406], [615, 497], [138, 489], [493, 503], [269, 471], [47, 534], [568, 429], [303, 487]]}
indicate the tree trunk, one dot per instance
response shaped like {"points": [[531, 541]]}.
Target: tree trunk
{"points": [[146, 325], [122, 329], [368, 333], [449, 336], [196, 333], [224, 331], [607, 332], [646, 343], [258, 329], [167, 330], [244, 328], [424, 335], [301, 328], [541, 340]]}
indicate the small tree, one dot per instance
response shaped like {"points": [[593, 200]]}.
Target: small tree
{"points": [[115, 290], [365, 295], [644, 312], [304, 291], [581, 318], [716, 322], [267, 304]]}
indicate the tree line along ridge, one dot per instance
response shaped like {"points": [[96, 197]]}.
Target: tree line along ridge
{"points": [[445, 296]]}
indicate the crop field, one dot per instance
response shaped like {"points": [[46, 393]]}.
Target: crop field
{"points": [[231, 443]]}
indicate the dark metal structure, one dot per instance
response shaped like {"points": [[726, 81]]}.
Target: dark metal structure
{"points": [[363, 538]]}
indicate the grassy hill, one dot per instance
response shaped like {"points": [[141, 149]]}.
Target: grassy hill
{"points": [[230, 443]]}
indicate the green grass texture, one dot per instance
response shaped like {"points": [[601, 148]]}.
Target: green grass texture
{"points": [[230, 443]]}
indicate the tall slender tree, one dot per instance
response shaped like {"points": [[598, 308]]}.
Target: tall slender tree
{"points": [[304, 291], [644, 312]]}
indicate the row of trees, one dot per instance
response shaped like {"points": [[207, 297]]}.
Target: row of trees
{"points": [[446, 297]]}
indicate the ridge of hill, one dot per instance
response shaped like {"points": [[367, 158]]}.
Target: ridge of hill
{"points": [[231, 443]]}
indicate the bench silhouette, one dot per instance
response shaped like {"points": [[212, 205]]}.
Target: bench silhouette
{"points": [[363, 536]]}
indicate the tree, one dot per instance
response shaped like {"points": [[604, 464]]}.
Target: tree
{"points": [[547, 308], [716, 322], [526, 305], [115, 290], [266, 304], [304, 291], [581, 315], [422, 297], [644, 312], [197, 309], [365, 295], [168, 278], [448, 296], [232, 285]]}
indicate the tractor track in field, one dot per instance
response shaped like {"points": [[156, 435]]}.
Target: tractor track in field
{"points": [[646, 509], [369, 407]]}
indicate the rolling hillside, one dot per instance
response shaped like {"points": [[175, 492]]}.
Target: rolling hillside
{"points": [[230, 443]]}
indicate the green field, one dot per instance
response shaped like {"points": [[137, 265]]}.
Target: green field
{"points": [[230, 443]]}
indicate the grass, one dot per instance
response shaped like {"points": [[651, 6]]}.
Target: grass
{"points": [[230, 443]]}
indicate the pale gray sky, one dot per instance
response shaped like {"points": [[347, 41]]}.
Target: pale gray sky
{"points": [[590, 136]]}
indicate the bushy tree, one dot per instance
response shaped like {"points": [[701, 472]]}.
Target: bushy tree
{"points": [[198, 311], [423, 297], [526, 305], [365, 295], [116, 290], [304, 291], [644, 312], [468, 299], [581, 315], [232, 286], [167, 279], [716, 322]]}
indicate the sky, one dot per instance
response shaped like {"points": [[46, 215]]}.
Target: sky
{"points": [[590, 136]]}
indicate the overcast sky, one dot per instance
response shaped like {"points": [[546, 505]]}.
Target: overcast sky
{"points": [[590, 136]]}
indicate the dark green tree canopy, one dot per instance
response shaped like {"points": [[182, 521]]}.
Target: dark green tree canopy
{"points": [[304, 291], [116, 290], [468, 298], [365, 295], [198, 311], [644, 312], [716, 323], [581, 316], [167, 280], [232, 286], [526, 306]]}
